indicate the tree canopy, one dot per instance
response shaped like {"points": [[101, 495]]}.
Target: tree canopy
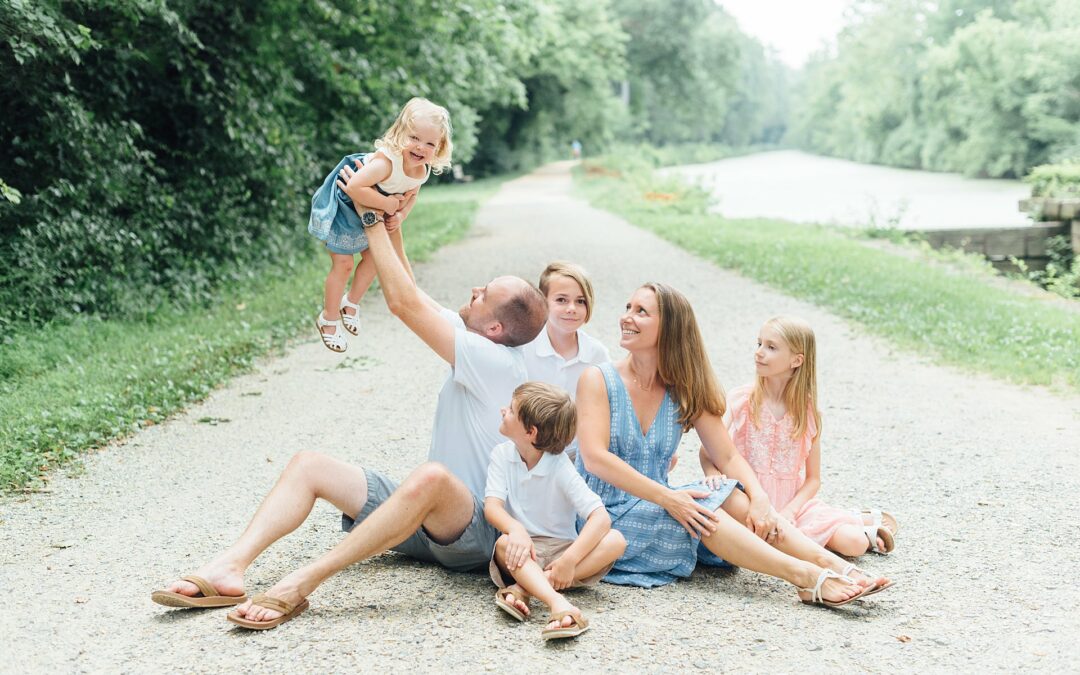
{"points": [[983, 87]]}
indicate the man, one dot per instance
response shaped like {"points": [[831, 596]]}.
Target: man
{"points": [[436, 514]]}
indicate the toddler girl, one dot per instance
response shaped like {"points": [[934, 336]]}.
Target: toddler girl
{"points": [[415, 146], [775, 425]]}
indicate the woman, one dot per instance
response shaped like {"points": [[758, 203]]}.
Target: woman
{"points": [[631, 416]]}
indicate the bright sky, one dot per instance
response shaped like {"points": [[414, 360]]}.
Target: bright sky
{"points": [[794, 28]]}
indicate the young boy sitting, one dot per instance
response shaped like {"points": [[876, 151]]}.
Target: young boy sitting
{"points": [[533, 497]]}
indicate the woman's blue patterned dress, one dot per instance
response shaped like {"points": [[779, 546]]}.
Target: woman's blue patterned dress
{"points": [[658, 549]]}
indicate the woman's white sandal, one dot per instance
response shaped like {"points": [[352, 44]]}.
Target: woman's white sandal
{"points": [[870, 590], [335, 341], [816, 598], [350, 321]]}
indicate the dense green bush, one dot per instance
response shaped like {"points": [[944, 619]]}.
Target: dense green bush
{"points": [[161, 148], [1055, 180]]}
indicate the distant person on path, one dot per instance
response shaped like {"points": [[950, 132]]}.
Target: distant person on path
{"points": [[436, 514], [563, 350], [631, 416], [534, 497], [575, 149], [387, 182], [776, 426]]}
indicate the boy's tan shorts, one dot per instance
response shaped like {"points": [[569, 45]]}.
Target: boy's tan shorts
{"points": [[548, 549]]}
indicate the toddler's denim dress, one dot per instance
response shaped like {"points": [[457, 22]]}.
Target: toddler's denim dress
{"points": [[334, 218]]}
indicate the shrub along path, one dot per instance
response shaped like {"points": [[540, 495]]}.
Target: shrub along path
{"points": [[981, 474]]}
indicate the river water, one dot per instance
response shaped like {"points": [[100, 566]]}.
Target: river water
{"points": [[808, 188]]}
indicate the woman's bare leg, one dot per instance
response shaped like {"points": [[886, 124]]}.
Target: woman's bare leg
{"points": [[739, 546], [792, 541]]}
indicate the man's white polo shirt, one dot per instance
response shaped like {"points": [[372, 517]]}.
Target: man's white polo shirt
{"points": [[546, 500], [467, 417], [544, 364]]}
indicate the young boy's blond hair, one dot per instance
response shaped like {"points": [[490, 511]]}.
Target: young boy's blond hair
{"points": [[551, 411]]}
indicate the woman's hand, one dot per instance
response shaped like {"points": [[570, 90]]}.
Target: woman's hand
{"points": [[761, 518], [697, 519], [519, 549]]}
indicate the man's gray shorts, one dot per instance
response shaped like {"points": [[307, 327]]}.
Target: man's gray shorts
{"points": [[472, 550]]}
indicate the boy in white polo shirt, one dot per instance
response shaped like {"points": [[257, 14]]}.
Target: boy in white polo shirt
{"points": [[534, 496]]}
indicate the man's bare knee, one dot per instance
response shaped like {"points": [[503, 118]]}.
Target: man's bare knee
{"points": [[304, 462], [425, 481]]}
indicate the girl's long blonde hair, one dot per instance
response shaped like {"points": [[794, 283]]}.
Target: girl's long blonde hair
{"points": [[684, 366], [397, 136], [800, 393]]}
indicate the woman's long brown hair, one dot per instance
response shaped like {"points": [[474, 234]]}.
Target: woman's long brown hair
{"points": [[684, 365]]}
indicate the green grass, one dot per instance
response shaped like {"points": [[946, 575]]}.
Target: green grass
{"points": [[952, 311], [65, 389]]}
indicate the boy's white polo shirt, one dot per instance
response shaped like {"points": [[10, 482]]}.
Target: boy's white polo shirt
{"points": [[546, 500], [544, 364]]}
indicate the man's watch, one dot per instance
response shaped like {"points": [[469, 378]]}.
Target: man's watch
{"points": [[368, 219]]}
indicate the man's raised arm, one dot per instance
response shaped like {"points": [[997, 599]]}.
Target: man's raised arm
{"points": [[405, 300]]}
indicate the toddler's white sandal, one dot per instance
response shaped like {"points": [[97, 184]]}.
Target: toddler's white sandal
{"points": [[335, 341], [350, 321]]}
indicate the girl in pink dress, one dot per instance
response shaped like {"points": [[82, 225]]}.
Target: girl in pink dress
{"points": [[775, 425]]}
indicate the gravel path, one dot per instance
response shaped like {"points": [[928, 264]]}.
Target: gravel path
{"points": [[982, 475]]}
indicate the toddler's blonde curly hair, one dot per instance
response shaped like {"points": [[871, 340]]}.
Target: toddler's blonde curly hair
{"points": [[397, 136]]}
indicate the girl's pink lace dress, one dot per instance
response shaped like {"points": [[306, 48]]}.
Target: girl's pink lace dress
{"points": [[780, 464]]}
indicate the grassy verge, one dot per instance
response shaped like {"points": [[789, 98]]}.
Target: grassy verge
{"points": [[953, 312], [65, 389]]}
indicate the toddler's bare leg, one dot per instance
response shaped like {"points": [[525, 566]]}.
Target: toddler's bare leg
{"points": [[361, 281], [340, 266]]}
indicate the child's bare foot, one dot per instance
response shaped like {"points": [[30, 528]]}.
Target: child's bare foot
{"points": [[516, 597], [567, 621]]}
